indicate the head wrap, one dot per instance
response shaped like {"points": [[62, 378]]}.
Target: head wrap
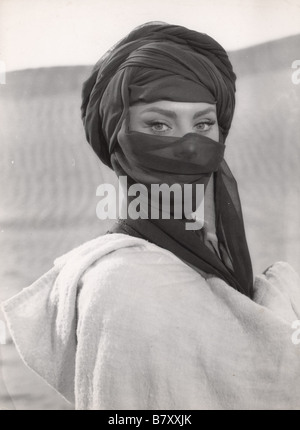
{"points": [[161, 51], [154, 62]]}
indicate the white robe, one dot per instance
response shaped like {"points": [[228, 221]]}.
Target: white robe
{"points": [[120, 323]]}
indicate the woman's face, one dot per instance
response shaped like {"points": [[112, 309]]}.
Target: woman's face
{"points": [[168, 118]]}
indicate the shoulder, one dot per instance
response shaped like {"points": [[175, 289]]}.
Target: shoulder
{"points": [[137, 294], [123, 258], [138, 277]]}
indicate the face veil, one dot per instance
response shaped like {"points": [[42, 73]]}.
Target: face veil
{"points": [[155, 62]]}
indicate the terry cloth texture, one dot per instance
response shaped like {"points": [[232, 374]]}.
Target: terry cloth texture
{"points": [[120, 323]]}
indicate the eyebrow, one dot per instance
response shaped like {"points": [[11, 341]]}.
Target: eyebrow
{"points": [[172, 114]]}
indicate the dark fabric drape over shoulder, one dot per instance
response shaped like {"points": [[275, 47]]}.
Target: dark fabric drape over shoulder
{"points": [[155, 62]]}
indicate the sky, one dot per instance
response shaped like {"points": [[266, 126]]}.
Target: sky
{"points": [[41, 33]]}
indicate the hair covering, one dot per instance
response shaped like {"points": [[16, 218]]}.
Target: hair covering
{"points": [[160, 51], [154, 62]]}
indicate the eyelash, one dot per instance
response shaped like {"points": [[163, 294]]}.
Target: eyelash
{"points": [[151, 124], [155, 123], [209, 122]]}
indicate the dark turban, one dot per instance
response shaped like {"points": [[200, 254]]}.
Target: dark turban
{"points": [[167, 57]]}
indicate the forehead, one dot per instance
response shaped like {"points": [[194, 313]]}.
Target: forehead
{"points": [[177, 108]]}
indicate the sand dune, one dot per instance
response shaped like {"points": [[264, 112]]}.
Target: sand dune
{"points": [[49, 175]]}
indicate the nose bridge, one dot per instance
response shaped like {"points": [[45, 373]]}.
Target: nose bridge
{"points": [[184, 124]]}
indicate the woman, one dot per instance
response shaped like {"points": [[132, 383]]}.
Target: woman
{"points": [[162, 312]]}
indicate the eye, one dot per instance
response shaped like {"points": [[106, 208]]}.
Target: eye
{"points": [[205, 125], [159, 127]]}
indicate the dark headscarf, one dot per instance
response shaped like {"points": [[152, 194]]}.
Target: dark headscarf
{"points": [[196, 56], [154, 62]]}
